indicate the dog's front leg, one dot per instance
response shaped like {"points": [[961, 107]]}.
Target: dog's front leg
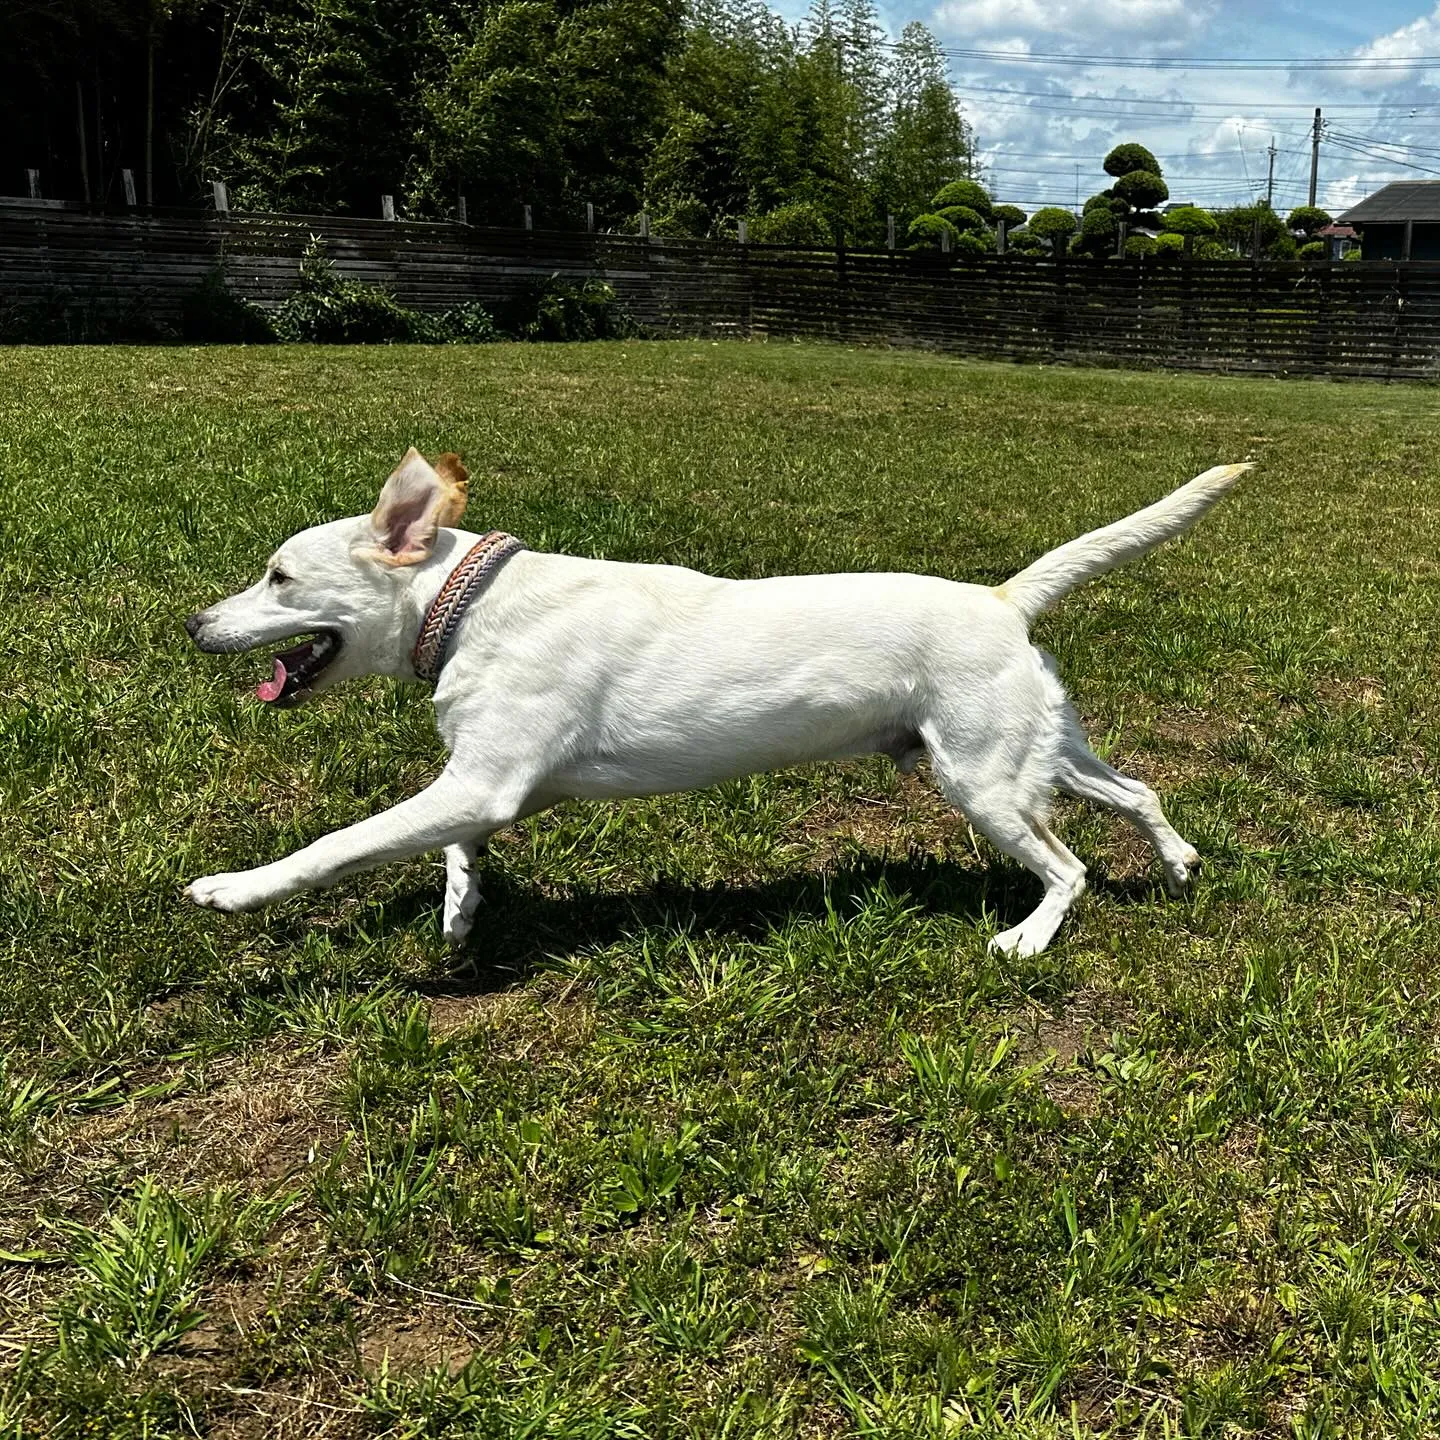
{"points": [[447, 813]]}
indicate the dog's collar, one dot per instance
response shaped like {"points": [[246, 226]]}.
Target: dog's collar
{"points": [[448, 608]]}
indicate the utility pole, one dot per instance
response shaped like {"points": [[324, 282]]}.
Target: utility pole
{"points": [[1315, 155], [1270, 181], [1077, 189]]}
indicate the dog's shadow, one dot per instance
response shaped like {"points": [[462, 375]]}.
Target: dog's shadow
{"points": [[520, 929]]}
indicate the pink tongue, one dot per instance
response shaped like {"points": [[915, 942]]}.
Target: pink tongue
{"points": [[270, 689]]}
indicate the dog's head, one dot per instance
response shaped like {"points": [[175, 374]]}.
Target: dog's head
{"points": [[346, 585]]}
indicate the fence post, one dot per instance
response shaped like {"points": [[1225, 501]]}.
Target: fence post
{"points": [[590, 216], [1121, 231], [1255, 240], [945, 241], [1189, 250], [1002, 237], [127, 179], [1405, 248], [33, 176], [222, 199], [529, 218], [890, 232], [742, 231], [387, 207], [644, 224], [463, 212]]}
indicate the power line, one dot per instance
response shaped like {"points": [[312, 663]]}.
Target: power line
{"points": [[1409, 107], [1196, 62]]}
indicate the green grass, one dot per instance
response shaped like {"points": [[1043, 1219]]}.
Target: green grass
{"points": [[726, 1125]]}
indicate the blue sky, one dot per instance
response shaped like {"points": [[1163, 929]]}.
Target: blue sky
{"points": [[1211, 128]]}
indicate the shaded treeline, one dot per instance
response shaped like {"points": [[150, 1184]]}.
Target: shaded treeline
{"points": [[701, 114]]}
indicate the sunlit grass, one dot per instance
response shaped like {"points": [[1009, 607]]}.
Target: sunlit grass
{"points": [[726, 1124]]}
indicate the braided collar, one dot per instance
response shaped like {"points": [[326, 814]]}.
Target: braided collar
{"points": [[448, 608]]}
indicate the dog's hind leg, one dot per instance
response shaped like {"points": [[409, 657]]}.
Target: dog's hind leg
{"points": [[1084, 774], [462, 888], [1007, 805]]}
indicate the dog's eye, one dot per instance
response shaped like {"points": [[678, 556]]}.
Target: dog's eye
{"points": [[279, 577]]}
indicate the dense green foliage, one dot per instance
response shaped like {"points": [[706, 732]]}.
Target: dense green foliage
{"points": [[702, 113], [1189, 220], [726, 1126], [1307, 219]]}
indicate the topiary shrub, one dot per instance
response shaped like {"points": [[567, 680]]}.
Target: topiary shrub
{"points": [[801, 224], [1128, 158], [1102, 201], [1189, 220], [1138, 246], [1313, 250], [964, 192], [1097, 234], [925, 232], [1011, 215], [1054, 225], [963, 218], [969, 245], [1208, 249], [1141, 189], [212, 314], [1169, 246]]}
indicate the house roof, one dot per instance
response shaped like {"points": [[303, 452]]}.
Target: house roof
{"points": [[1337, 232], [1396, 203]]}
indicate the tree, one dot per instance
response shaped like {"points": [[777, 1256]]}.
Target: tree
{"points": [[1126, 159], [1308, 219], [1011, 215], [1054, 225], [963, 218], [927, 141], [1098, 232], [1141, 190], [1189, 220], [927, 232], [1238, 227], [968, 193]]}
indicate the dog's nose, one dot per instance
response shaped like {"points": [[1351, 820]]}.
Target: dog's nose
{"points": [[194, 623]]}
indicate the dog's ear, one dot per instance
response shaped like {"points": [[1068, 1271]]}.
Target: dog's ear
{"points": [[416, 501]]}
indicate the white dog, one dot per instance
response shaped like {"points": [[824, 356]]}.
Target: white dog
{"points": [[599, 680]]}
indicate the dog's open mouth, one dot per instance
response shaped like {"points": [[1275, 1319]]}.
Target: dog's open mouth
{"points": [[297, 670]]}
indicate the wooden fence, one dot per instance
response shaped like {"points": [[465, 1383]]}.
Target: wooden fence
{"points": [[1341, 319]]}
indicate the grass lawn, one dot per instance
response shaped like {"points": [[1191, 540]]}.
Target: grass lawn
{"points": [[726, 1124]]}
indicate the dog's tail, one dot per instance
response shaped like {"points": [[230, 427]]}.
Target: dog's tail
{"points": [[1052, 577]]}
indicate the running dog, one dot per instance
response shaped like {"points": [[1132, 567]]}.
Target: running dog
{"points": [[559, 677]]}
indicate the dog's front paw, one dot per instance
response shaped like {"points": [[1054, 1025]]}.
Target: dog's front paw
{"points": [[231, 893], [1180, 872]]}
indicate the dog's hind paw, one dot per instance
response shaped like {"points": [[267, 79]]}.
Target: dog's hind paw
{"points": [[460, 914]]}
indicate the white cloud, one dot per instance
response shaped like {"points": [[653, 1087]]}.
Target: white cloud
{"points": [[1419, 37], [1066, 22], [1341, 193]]}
